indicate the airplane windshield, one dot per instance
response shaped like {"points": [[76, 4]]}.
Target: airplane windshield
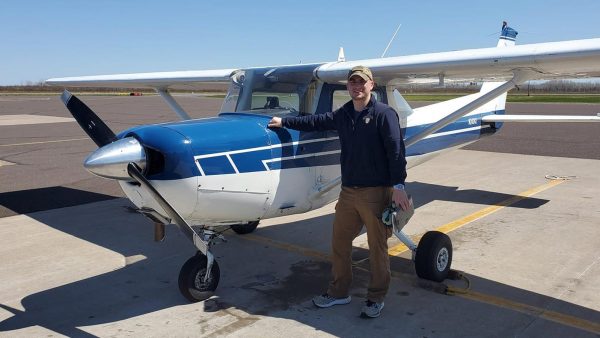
{"points": [[272, 91]]}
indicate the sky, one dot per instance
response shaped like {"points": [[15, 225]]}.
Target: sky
{"points": [[56, 38]]}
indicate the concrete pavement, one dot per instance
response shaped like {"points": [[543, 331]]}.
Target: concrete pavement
{"points": [[76, 261], [533, 266]]}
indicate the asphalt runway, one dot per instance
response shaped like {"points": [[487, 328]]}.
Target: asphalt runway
{"points": [[78, 262]]}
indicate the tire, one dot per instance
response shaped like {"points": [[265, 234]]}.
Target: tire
{"points": [[243, 229], [191, 277], [434, 256]]}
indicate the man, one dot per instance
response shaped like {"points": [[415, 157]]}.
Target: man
{"points": [[373, 168]]}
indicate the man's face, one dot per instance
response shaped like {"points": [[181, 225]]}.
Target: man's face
{"points": [[358, 88]]}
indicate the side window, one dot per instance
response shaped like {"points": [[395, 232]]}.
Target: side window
{"points": [[340, 97]]}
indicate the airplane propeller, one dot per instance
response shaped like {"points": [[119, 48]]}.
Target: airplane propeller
{"points": [[97, 130], [126, 159], [113, 155]]}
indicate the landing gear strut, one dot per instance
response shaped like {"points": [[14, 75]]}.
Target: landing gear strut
{"points": [[199, 276]]}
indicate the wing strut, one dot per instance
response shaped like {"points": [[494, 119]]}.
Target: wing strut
{"points": [[539, 118], [173, 104]]}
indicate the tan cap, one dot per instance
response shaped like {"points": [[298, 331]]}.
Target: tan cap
{"points": [[362, 71]]}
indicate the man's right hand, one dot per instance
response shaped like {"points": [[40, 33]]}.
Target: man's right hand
{"points": [[400, 197], [275, 122]]}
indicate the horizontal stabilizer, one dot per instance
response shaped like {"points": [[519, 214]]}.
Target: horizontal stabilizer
{"points": [[539, 118]]}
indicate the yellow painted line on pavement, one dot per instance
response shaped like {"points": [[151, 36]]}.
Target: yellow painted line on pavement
{"points": [[448, 227], [535, 311], [42, 142], [530, 310], [527, 309], [5, 163], [398, 249]]}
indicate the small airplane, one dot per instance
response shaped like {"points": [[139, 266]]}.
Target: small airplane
{"points": [[231, 171]]}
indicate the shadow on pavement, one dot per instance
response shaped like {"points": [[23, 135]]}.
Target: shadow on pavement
{"points": [[33, 200], [252, 277]]}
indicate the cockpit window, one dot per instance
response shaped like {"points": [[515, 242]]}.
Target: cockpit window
{"points": [[275, 90], [266, 100]]}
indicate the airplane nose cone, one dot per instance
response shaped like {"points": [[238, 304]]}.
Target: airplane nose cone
{"points": [[111, 160]]}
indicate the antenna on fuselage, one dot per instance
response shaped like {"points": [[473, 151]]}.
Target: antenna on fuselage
{"points": [[392, 39], [341, 56]]}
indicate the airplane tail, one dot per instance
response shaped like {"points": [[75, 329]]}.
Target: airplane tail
{"points": [[498, 105], [507, 36], [456, 113]]}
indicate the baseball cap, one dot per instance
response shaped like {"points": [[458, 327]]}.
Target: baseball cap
{"points": [[362, 71]]}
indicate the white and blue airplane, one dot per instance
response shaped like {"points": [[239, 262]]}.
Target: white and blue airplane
{"points": [[231, 171]]}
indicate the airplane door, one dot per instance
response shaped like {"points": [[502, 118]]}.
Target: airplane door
{"points": [[332, 98], [292, 169], [329, 168]]}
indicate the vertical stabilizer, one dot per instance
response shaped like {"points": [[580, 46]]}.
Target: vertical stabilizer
{"points": [[497, 105], [507, 36]]}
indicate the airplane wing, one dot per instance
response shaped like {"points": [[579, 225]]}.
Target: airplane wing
{"points": [[189, 80], [516, 63], [162, 82], [564, 59]]}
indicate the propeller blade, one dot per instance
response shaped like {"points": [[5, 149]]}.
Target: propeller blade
{"points": [[97, 130]]}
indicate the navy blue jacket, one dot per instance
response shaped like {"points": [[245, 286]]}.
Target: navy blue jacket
{"points": [[373, 151]]}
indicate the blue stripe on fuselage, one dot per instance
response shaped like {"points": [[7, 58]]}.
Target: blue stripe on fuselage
{"points": [[298, 155], [277, 156], [252, 147], [438, 141], [303, 162]]}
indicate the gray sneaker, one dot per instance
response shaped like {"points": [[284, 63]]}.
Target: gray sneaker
{"points": [[371, 309], [326, 300]]}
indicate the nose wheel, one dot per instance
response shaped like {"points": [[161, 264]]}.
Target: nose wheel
{"points": [[244, 228], [197, 280]]}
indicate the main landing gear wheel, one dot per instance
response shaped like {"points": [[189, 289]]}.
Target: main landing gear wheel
{"points": [[246, 228], [191, 278], [434, 256]]}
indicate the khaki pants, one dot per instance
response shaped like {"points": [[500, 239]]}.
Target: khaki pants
{"points": [[357, 207]]}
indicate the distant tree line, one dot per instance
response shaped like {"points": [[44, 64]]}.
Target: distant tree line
{"points": [[563, 86], [531, 87]]}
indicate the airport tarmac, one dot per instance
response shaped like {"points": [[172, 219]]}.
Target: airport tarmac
{"points": [[522, 209]]}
